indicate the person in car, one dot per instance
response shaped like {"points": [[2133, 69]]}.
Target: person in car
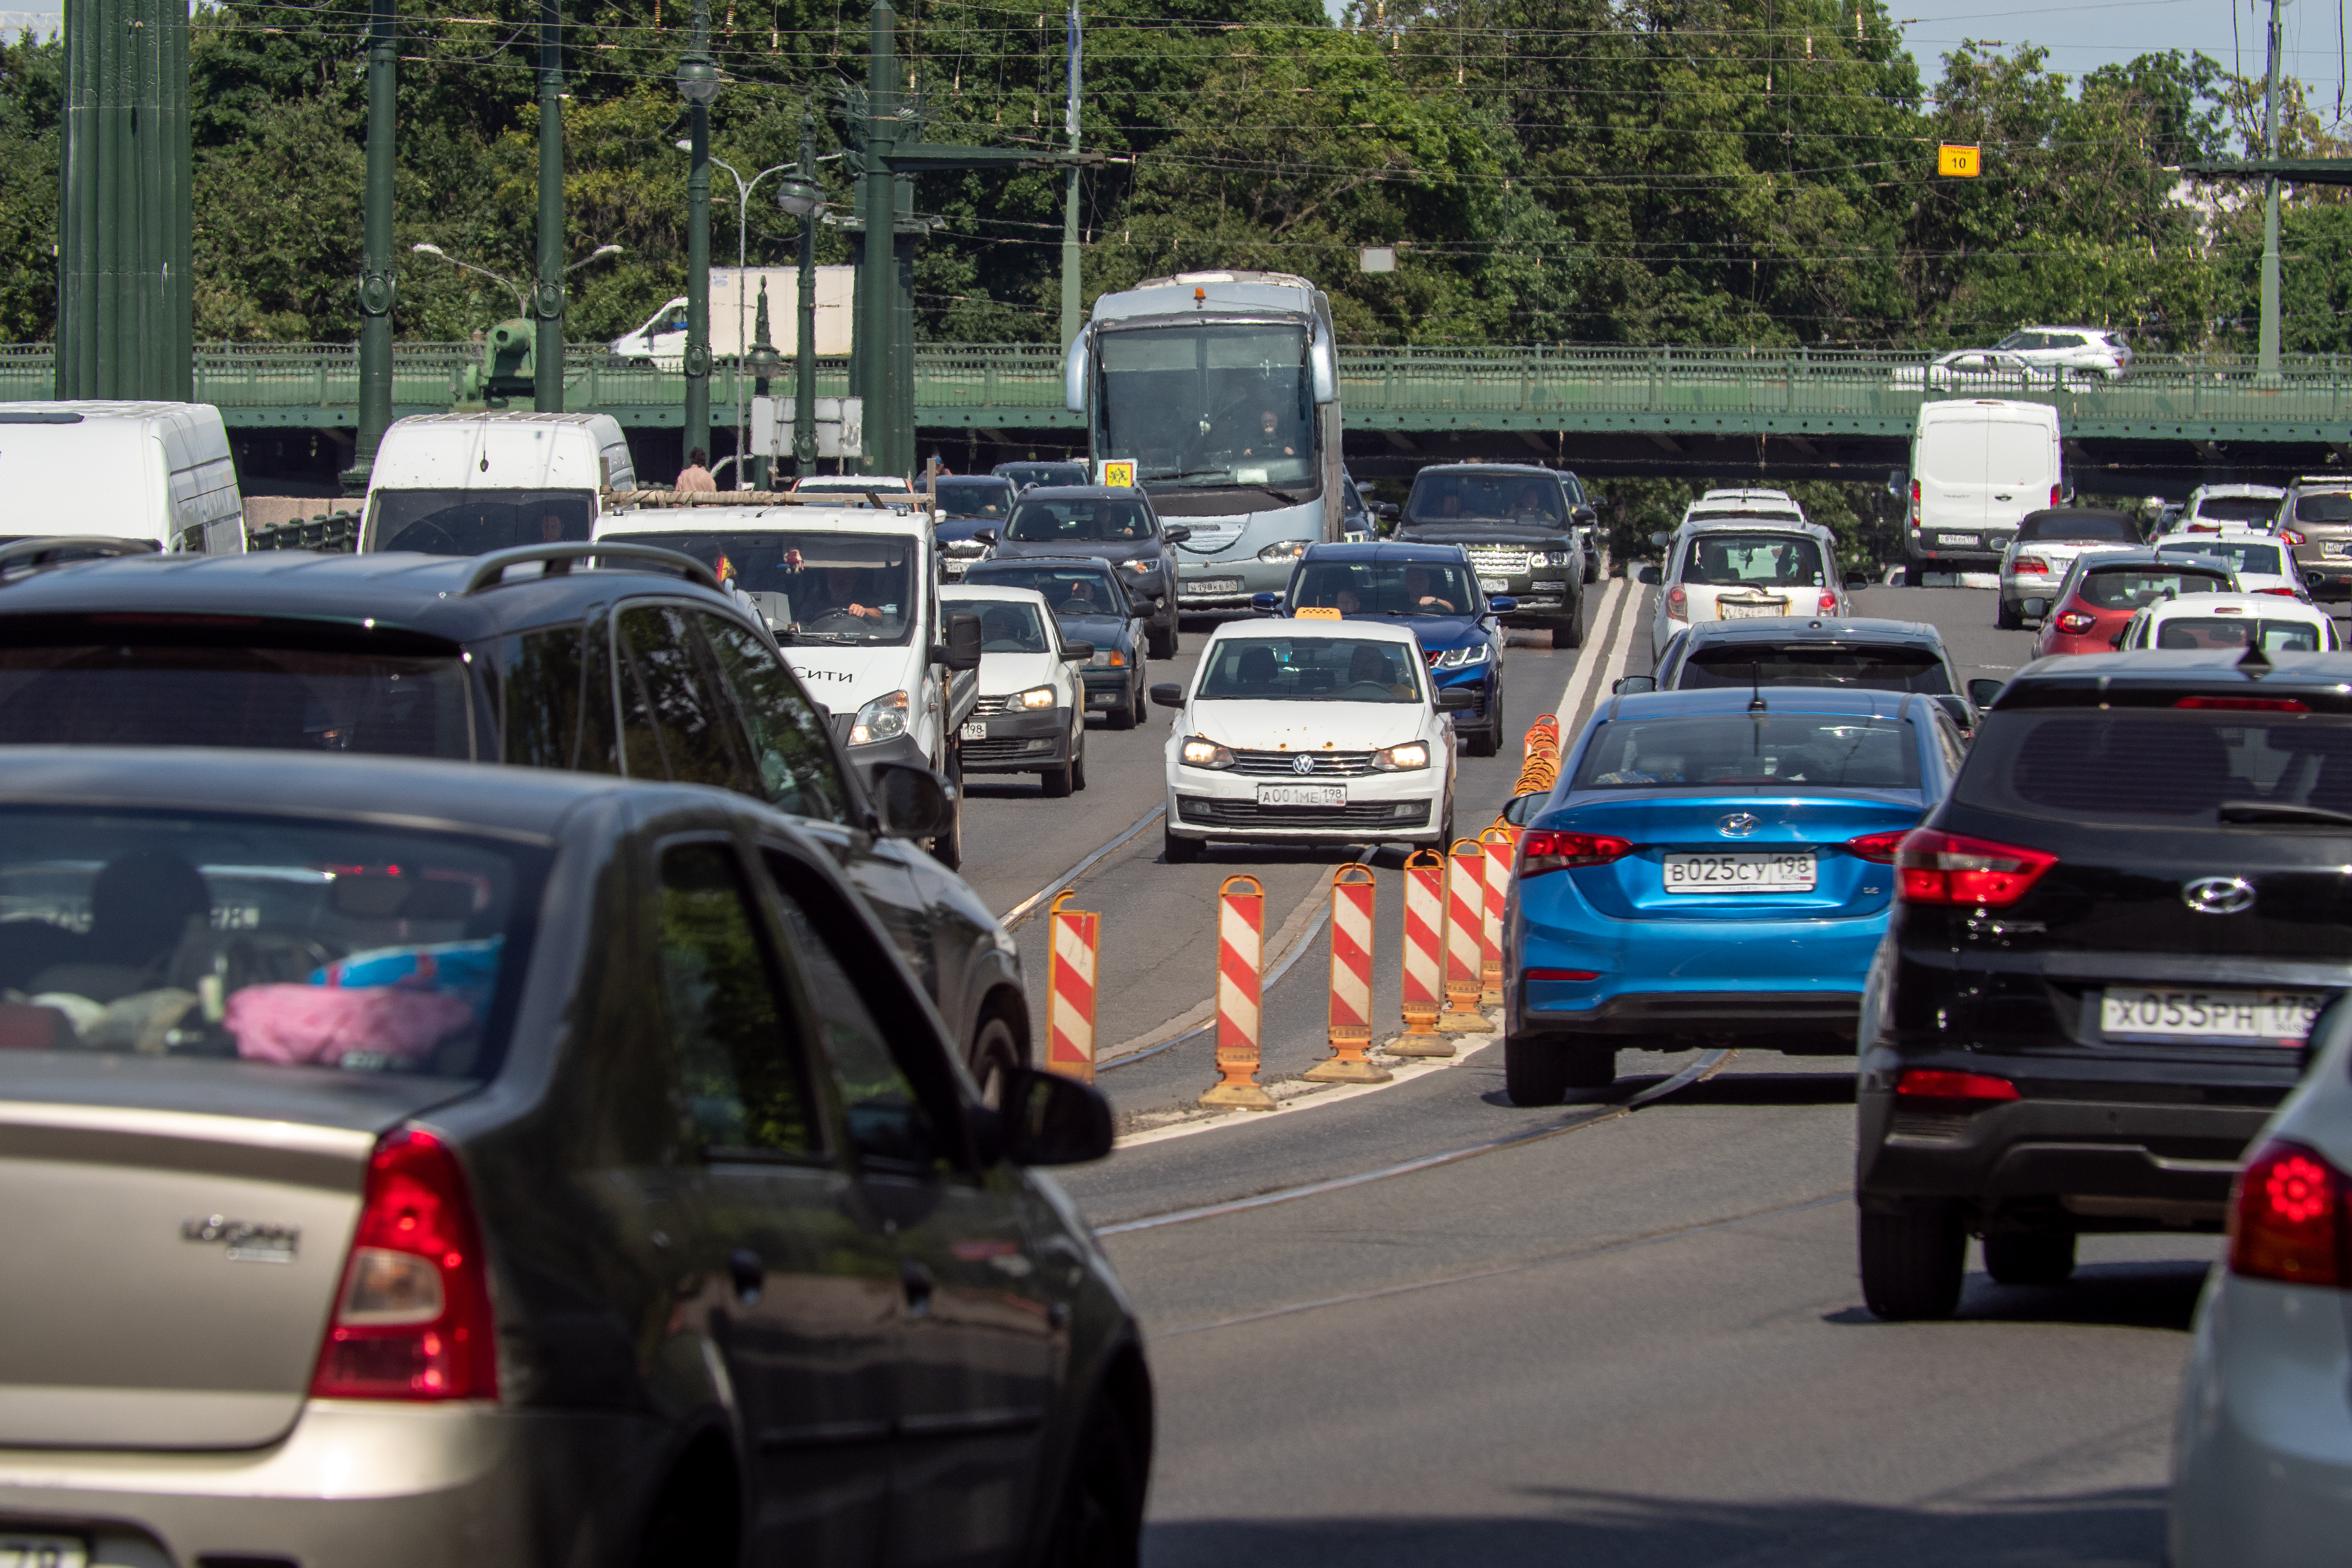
{"points": [[1267, 423], [1078, 599], [1420, 593]]}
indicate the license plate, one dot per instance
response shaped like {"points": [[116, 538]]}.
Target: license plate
{"points": [[2336, 548], [1960, 539], [1727, 610], [1761, 873], [975, 730], [2284, 1016], [1495, 585], [1302, 794], [1204, 585], [42, 1551]]}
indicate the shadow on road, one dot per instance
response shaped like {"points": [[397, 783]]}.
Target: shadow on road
{"points": [[1589, 1529], [1729, 1089], [2107, 1294]]}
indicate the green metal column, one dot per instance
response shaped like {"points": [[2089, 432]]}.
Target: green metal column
{"points": [[546, 301], [762, 358], [376, 283], [1070, 293], [877, 270], [804, 343], [2268, 353], [698, 83], [125, 307], [898, 456]]}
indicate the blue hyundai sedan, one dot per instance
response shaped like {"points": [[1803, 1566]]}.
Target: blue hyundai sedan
{"points": [[1714, 866], [1433, 589]]}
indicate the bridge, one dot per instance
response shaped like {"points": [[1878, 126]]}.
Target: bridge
{"points": [[1796, 412]]}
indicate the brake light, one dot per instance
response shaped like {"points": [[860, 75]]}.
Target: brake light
{"points": [[2286, 1217], [1930, 1083], [2074, 623], [2281, 593], [2290, 536], [1677, 604], [2033, 564], [2244, 704], [413, 1317], [1877, 847], [2055, 491], [1829, 603], [1939, 868], [1915, 505], [1563, 974], [1543, 850]]}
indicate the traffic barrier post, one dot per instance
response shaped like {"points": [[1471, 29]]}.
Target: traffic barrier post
{"points": [[1241, 975], [1465, 919], [1350, 1023], [1501, 845], [1424, 956], [1070, 989]]}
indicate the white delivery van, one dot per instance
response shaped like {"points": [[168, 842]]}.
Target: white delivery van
{"points": [[852, 593], [127, 471], [461, 484], [1978, 467]]}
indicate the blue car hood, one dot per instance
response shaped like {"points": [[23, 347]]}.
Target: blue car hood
{"points": [[1103, 631]]}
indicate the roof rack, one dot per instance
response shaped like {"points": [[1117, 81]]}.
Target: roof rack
{"points": [[880, 500], [489, 570], [26, 556]]}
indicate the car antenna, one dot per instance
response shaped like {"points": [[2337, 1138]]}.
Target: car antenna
{"points": [[2254, 662], [1756, 688]]}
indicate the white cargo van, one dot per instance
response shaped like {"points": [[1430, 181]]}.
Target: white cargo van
{"points": [[461, 484], [1978, 467], [852, 593], [127, 471]]}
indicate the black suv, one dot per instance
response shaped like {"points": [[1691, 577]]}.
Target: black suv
{"points": [[2106, 951], [1524, 532], [519, 656]]}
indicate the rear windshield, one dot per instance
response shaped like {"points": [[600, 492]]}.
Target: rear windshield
{"points": [[2104, 527], [2227, 632], [1312, 669], [1067, 590], [1027, 474], [2168, 765], [990, 498], [310, 944], [1386, 587], [2330, 506], [268, 698], [1764, 560], [1869, 669], [2240, 508], [1810, 750], [1079, 521], [1481, 498], [2134, 587], [2242, 556], [473, 522]]}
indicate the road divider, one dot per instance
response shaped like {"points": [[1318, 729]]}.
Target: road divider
{"points": [[1465, 919], [1424, 956], [1501, 845], [1240, 960], [1349, 1025], [1070, 990]]}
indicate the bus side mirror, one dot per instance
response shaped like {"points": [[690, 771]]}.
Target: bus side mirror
{"points": [[1323, 365], [1074, 376]]}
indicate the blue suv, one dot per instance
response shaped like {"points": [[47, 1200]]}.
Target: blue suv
{"points": [[1431, 588]]}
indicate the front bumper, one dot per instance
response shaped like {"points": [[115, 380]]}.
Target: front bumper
{"points": [[1109, 687], [1251, 575], [1025, 743], [1204, 803], [1544, 597], [867, 758]]}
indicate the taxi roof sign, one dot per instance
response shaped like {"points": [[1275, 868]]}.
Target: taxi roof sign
{"points": [[1961, 163]]}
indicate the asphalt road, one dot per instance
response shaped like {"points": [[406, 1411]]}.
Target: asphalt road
{"points": [[1607, 1333]]}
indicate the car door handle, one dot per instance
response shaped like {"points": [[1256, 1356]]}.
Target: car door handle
{"points": [[744, 1267], [2003, 498], [916, 1281]]}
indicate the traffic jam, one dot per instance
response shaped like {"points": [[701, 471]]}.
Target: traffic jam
{"points": [[539, 999]]}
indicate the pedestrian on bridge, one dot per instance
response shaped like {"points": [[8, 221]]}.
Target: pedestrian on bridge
{"points": [[696, 475]]}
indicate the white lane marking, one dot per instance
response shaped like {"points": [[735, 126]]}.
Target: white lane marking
{"points": [[1030, 905], [1289, 944], [1400, 1070], [1588, 657]]}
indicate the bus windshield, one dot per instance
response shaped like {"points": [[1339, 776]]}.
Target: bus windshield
{"points": [[1225, 405]]}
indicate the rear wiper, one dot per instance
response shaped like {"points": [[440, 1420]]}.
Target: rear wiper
{"points": [[2258, 811]]}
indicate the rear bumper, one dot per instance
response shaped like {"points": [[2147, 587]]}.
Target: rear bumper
{"points": [[2326, 576], [1255, 576], [1737, 1012]]}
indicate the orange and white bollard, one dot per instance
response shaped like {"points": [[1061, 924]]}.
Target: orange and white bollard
{"points": [[1350, 1023], [1501, 845], [1424, 956], [1466, 921], [1241, 975], [1070, 989]]}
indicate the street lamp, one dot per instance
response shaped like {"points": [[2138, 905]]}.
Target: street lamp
{"points": [[743, 189], [800, 196], [698, 84], [506, 283]]}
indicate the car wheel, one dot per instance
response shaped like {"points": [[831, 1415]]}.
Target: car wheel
{"points": [[2031, 1258], [1057, 782], [1483, 744], [1128, 715], [1160, 644], [1099, 1519], [994, 1053], [1535, 1072], [947, 848], [1912, 1260], [1568, 633], [1591, 567], [1078, 767], [2006, 619], [1179, 851]]}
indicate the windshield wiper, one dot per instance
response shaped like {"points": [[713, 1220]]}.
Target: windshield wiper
{"points": [[831, 639], [1181, 473], [2256, 811]]}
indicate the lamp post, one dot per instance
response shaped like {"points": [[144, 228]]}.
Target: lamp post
{"points": [[698, 83], [376, 288], [522, 307], [547, 304], [743, 189], [800, 196]]}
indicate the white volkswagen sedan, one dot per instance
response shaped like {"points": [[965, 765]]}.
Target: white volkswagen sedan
{"points": [[1031, 714], [1307, 732]]}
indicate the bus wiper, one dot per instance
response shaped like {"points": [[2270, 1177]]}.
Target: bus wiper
{"points": [[2259, 811], [1182, 473]]}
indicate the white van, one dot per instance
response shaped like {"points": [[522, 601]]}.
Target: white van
{"points": [[1978, 467], [127, 471], [461, 484], [852, 593]]}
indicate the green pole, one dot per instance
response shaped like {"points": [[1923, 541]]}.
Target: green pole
{"points": [[804, 344], [376, 288], [2268, 348], [1070, 196], [878, 279], [698, 83], [762, 354], [547, 350], [900, 451]]}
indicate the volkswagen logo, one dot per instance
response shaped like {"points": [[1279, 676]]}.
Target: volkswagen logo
{"points": [[2219, 895], [1737, 824], [1302, 764]]}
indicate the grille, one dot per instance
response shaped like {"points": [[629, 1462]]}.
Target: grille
{"points": [[1007, 751], [1285, 764], [1492, 560], [1249, 814], [990, 707]]}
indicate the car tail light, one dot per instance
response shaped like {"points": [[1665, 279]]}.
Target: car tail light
{"points": [[2074, 623], [2245, 704], [2286, 1217], [1563, 974], [1931, 1083], [2281, 593], [1677, 604], [1828, 604], [2290, 536], [1877, 847], [2055, 491], [413, 1317], [1542, 850], [1914, 503], [1939, 868]]}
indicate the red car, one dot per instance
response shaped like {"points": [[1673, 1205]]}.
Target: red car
{"points": [[2103, 592]]}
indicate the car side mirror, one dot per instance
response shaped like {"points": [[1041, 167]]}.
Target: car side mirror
{"points": [[1584, 515], [2116, 641], [1633, 685], [961, 650], [1502, 603], [1958, 708], [1647, 574], [985, 535], [1452, 699], [910, 801], [1264, 603], [1166, 694], [1986, 692], [1176, 533], [1856, 580], [1048, 1120], [1659, 540], [1897, 481], [1076, 652], [1387, 509], [1522, 809]]}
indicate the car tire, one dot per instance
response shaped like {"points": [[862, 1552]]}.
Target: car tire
{"points": [[2006, 619], [1160, 644], [1078, 768], [1494, 726], [1444, 845], [1099, 1518], [1128, 715], [1591, 567], [1569, 633], [994, 1053], [2031, 1257], [1535, 1071], [1485, 742], [1180, 851], [1913, 1261], [948, 849], [1057, 782]]}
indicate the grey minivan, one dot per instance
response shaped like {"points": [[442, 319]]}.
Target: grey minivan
{"points": [[1111, 522], [410, 1163]]}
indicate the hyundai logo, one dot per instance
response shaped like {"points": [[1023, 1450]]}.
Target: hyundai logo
{"points": [[1302, 764], [2219, 895], [1737, 824]]}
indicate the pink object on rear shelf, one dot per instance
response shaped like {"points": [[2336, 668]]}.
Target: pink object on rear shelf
{"points": [[322, 1025]]}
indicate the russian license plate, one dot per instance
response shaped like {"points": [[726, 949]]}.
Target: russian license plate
{"points": [[2336, 548], [1949, 540], [1199, 587], [2178, 1013], [18, 1551], [1751, 873], [1302, 794], [977, 729], [1755, 610], [1494, 585]]}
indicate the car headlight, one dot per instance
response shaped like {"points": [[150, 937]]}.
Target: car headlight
{"points": [[1141, 567], [883, 719], [1035, 696], [967, 547], [1198, 753], [1464, 657], [1401, 759], [1286, 549], [1547, 558], [1108, 658]]}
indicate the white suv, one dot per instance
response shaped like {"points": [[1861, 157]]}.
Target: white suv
{"points": [[2099, 351]]}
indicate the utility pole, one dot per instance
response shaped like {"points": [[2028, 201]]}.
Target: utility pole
{"points": [[761, 361], [2268, 364], [1070, 196], [805, 193], [377, 286], [547, 299], [698, 83]]}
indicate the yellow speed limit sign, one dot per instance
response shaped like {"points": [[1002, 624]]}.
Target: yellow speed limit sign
{"points": [[1118, 472], [1962, 163]]}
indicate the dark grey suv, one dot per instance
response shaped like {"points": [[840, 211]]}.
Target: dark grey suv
{"points": [[1115, 524], [575, 1157]]}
